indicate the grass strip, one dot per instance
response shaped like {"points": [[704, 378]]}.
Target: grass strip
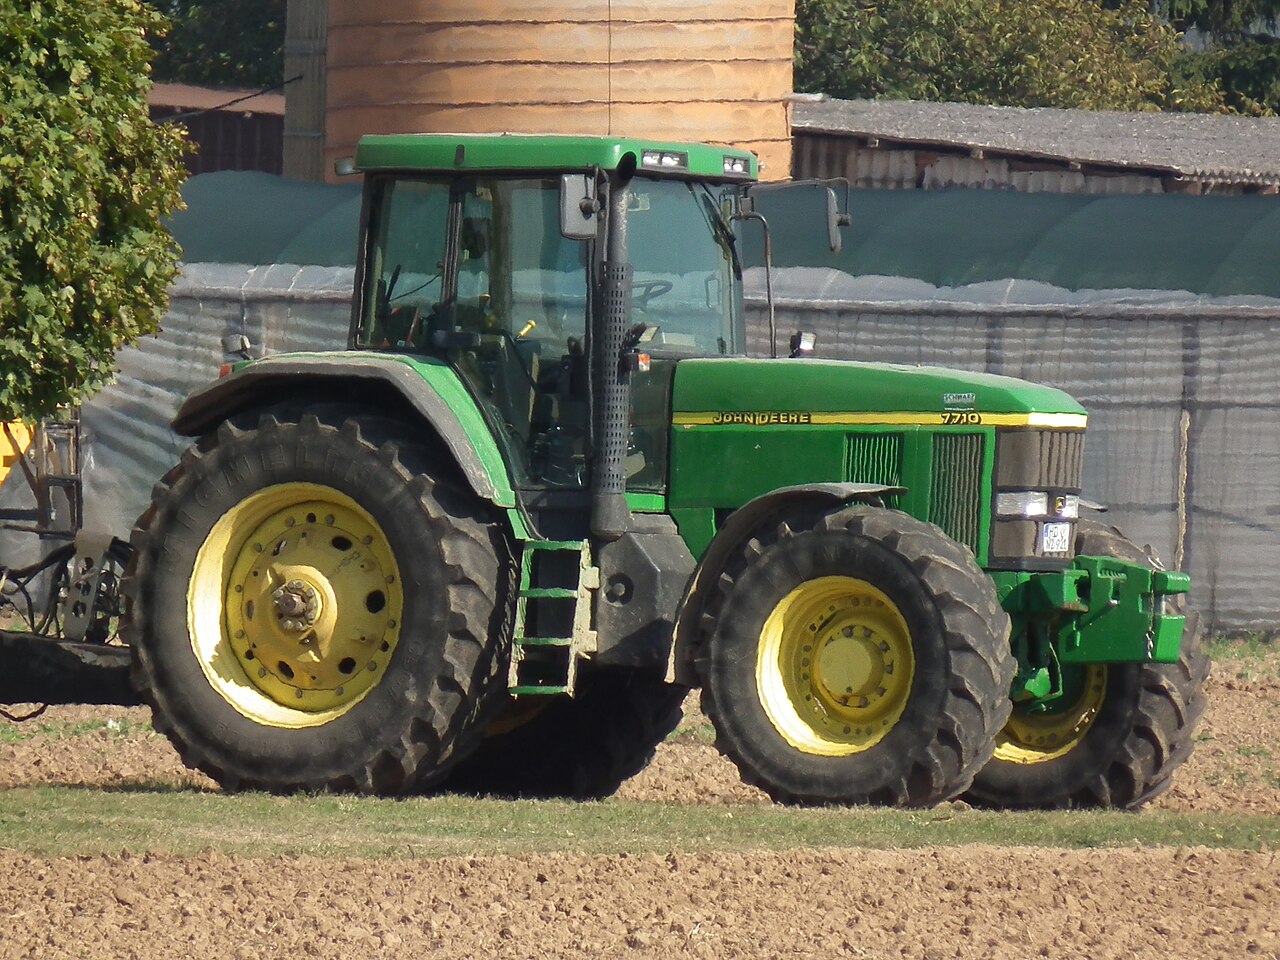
{"points": [[63, 821]]}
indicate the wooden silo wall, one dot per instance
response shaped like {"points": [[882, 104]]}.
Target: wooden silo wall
{"points": [[713, 71]]}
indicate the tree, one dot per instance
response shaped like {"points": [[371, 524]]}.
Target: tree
{"points": [[223, 42], [1242, 54], [85, 181], [1055, 53]]}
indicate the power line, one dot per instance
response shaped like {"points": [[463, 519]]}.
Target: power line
{"points": [[230, 103]]}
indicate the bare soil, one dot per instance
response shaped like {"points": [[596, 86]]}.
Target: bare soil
{"points": [[969, 902]]}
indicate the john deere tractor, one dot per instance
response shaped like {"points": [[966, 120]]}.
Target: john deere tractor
{"points": [[544, 492]]}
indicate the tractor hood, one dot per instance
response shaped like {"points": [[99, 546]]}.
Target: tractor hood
{"points": [[786, 392]]}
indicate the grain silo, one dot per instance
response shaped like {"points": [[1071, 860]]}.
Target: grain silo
{"points": [[714, 71]]}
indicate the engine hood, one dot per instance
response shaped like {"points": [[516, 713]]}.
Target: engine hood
{"points": [[786, 391]]}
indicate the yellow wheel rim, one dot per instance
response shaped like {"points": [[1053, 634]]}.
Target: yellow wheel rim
{"points": [[295, 605], [1040, 737], [835, 666]]}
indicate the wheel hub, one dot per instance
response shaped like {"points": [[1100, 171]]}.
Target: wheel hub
{"points": [[311, 607], [835, 666], [849, 666], [297, 605]]}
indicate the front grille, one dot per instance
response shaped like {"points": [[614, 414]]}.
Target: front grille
{"points": [[1048, 460], [1039, 459], [955, 499]]}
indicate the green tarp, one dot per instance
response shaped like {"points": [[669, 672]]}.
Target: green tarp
{"points": [[257, 218], [1210, 246]]}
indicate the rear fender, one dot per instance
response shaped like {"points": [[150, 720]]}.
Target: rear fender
{"points": [[425, 392]]}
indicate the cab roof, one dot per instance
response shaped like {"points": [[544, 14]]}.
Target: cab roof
{"points": [[450, 152]]}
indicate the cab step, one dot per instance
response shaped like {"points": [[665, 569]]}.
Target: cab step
{"points": [[553, 617]]}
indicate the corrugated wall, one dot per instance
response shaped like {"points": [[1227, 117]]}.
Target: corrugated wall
{"points": [[717, 71], [902, 168]]}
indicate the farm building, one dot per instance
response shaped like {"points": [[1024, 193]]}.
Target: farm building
{"points": [[903, 145], [230, 129], [717, 71]]}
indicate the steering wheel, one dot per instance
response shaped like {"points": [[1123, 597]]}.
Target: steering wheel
{"points": [[642, 291]]}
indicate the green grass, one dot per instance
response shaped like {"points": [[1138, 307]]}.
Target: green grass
{"points": [[61, 821], [1254, 646], [1251, 659], [63, 730]]}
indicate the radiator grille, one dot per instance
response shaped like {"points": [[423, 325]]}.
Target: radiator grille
{"points": [[874, 458], [955, 502], [1039, 459]]}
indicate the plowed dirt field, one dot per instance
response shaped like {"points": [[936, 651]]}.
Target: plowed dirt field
{"points": [[967, 902]]}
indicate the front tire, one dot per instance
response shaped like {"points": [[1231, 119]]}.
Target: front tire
{"points": [[310, 610], [1123, 732], [856, 656]]}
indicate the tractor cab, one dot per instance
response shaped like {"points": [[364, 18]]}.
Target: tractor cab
{"points": [[500, 274]]}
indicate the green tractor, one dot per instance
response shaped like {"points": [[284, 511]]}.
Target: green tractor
{"points": [[491, 545]]}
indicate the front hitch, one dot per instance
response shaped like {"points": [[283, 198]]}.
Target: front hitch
{"points": [[1104, 610]]}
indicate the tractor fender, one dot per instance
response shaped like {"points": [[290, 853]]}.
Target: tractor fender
{"points": [[729, 538], [393, 384]]}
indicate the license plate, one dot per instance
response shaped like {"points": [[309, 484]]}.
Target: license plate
{"points": [[1056, 538]]}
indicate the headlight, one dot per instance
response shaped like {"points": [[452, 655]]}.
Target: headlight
{"points": [[736, 165], [1068, 506], [664, 159], [1023, 503]]}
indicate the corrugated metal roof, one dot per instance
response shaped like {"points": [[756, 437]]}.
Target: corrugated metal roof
{"points": [[1207, 147]]}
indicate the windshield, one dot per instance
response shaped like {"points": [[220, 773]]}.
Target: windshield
{"points": [[687, 287], [406, 266]]}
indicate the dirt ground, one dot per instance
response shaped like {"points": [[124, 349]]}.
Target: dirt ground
{"points": [[969, 902]]}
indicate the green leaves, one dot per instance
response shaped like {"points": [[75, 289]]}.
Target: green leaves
{"points": [[223, 42], [1056, 53], [85, 180]]}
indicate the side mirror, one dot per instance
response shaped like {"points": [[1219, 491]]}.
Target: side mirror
{"points": [[579, 207], [835, 220], [804, 201]]}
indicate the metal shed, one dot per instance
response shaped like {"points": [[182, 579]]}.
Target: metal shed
{"points": [[894, 145]]}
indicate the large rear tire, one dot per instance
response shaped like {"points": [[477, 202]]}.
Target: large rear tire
{"points": [[1122, 733], [579, 748], [856, 656], [310, 610]]}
